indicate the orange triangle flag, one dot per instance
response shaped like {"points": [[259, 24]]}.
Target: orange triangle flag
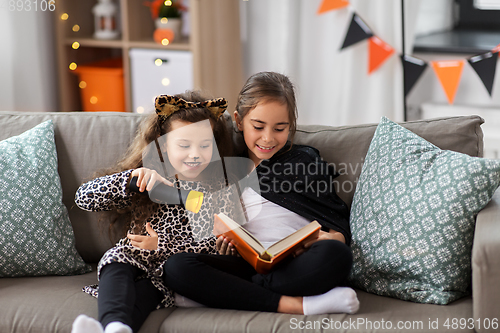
{"points": [[328, 5], [496, 49], [379, 51], [449, 73]]}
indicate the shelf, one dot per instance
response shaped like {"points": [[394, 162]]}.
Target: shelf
{"points": [[458, 42], [92, 42], [215, 46], [182, 45]]}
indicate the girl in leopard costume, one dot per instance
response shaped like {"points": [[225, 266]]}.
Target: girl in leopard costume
{"points": [[130, 274]]}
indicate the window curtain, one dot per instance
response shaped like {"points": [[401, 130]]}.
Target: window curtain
{"points": [[28, 74], [333, 85]]}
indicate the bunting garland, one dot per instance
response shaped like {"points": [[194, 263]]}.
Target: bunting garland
{"points": [[413, 69], [357, 32], [448, 72], [328, 5], [379, 52], [485, 66]]}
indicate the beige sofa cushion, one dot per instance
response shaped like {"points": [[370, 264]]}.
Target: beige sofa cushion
{"points": [[374, 312], [346, 147]]}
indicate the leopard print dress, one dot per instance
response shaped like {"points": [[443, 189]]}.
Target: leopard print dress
{"points": [[178, 230]]}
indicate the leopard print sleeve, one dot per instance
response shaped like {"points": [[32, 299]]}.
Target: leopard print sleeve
{"points": [[206, 245], [104, 193], [228, 201]]}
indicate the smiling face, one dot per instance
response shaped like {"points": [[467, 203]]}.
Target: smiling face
{"points": [[189, 147], [265, 129]]}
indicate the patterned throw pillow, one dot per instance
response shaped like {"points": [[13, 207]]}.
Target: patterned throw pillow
{"points": [[36, 236], [413, 216]]}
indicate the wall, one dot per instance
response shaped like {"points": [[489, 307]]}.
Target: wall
{"points": [[434, 16], [27, 61]]}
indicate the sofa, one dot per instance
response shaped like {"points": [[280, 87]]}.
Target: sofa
{"points": [[88, 141]]}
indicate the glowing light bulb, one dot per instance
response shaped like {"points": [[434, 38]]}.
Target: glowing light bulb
{"points": [[158, 62], [168, 3], [75, 45], [73, 66], [76, 28], [64, 16], [82, 84], [165, 41], [140, 109], [164, 20], [165, 81], [93, 100]]}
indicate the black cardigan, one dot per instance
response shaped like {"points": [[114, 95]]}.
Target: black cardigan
{"points": [[297, 179]]}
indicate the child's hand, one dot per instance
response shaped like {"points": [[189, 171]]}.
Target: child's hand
{"points": [[225, 247], [145, 242], [147, 178]]}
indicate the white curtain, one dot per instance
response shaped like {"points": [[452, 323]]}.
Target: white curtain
{"points": [[28, 74], [333, 87]]}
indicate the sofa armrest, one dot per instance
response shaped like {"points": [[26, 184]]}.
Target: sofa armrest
{"points": [[486, 264]]}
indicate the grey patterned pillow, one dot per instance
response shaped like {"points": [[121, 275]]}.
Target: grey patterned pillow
{"points": [[413, 216], [36, 236]]}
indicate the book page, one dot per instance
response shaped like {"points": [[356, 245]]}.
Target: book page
{"points": [[229, 225], [292, 239]]}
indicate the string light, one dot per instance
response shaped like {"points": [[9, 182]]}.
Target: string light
{"points": [[75, 45], [165, 81], [168, 3], [64, 16], [164, 20], [82, 84], [76, 28], [165, 41], [158, 62], [73, 66], [140, 109], [93, 100]]}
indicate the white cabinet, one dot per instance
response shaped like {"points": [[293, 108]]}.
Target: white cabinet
{"points": [[157, 72]]}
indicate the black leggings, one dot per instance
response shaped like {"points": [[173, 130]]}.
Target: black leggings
{"points": [[229, 282], [123, 298]]}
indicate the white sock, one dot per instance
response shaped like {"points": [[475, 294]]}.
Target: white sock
{"points": [[185, 302], [337, 300], [117, 327], [86, 324]]}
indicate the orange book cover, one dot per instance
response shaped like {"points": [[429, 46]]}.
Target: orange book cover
{"points": [[251, 249]]}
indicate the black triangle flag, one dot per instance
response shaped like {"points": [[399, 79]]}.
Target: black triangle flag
{"points": [[358, 31], [485, 66], [413, 69]]}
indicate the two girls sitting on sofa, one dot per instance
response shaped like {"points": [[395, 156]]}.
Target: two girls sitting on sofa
{"points": [[141, 272]]}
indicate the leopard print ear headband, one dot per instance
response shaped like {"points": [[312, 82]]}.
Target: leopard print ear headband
{"points": [[165, 105]]}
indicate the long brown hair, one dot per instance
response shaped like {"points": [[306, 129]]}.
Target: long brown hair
{"points": [[149, 130]]}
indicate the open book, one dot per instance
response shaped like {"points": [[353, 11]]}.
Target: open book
{"points": [[251, 249]]}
